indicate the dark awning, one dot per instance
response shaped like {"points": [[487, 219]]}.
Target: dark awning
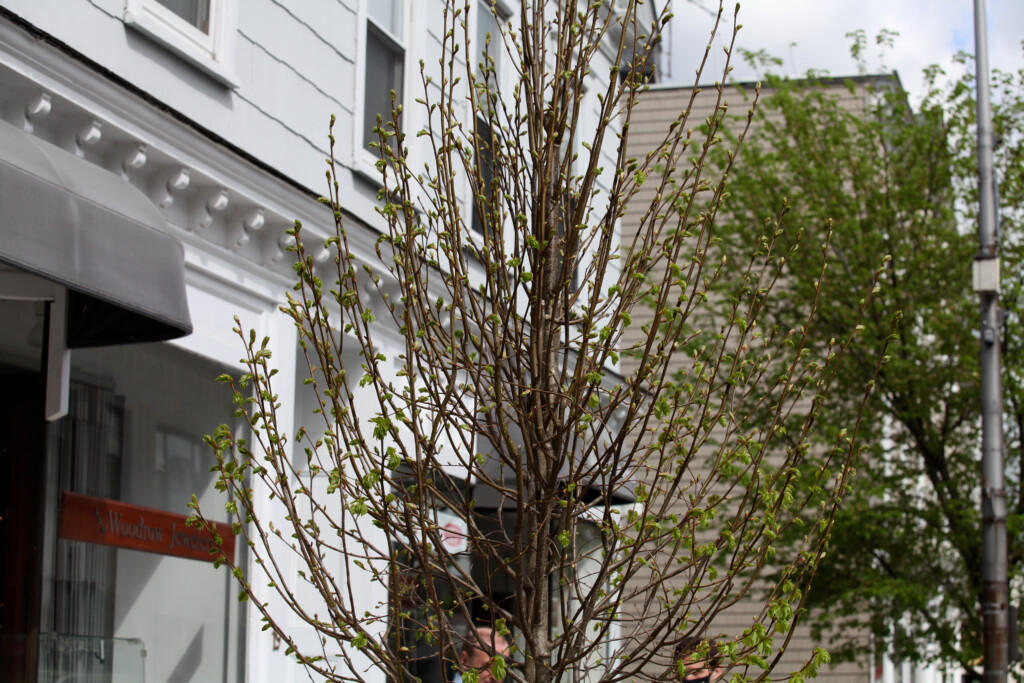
{"points": [[71, 222]]}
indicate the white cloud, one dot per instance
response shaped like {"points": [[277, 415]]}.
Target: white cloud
{"points": [[811, 34]]}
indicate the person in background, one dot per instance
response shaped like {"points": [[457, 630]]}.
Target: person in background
{"points": [[693, 669], [472, 658]]}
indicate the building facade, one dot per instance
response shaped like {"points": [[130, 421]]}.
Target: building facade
{"points": [[659, 107], [155, 152]]}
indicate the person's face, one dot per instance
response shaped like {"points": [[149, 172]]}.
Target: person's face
{"points": [[699, 671], [481, 662]]}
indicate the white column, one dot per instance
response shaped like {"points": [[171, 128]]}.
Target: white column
{"points": [[265, 654], [888, 669]]}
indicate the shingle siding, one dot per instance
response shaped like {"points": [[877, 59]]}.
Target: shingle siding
{"points": [[651, 118]]}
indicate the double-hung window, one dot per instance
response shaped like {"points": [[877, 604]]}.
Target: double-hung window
{"points": [[573, 165], [486, 165], [385, 64], [488, 55], [566, 208]]}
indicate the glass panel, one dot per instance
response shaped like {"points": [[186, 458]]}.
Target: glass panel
{"points": [[195, 12], [486, 171], [86, 658], [89, 443], [565, 211], [184, 462], [134, 434], [424, 663], [385, 66], [387, 14], [567, 207]]}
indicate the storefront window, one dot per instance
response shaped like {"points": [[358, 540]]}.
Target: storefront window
{"points": [[133, 443]]}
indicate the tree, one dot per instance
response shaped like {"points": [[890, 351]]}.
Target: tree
{"points": [[905, 556], [467, 396]]}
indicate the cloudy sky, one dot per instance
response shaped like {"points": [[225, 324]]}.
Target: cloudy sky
{"points": [[811, 34]]}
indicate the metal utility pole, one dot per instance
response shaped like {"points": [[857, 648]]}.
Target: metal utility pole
{"points": [[995, 588]]}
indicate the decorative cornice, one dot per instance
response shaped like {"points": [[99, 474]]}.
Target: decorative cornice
{"points": [[210, 196]]}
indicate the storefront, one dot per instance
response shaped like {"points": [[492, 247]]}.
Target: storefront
{"points": [[101, 441], [141, 200]]}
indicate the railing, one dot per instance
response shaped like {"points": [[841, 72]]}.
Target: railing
{"points": [[90, 659]]}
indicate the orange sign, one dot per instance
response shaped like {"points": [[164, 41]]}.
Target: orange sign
{"points": [[111, 522]]}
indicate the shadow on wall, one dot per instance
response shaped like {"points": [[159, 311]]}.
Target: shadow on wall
{"points": [[187, 666]]}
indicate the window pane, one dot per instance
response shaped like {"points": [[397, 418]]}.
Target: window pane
{"points": [[387, 14], [133, 434], [486, 23], [384, 72], [195, 12], [486, 171]]}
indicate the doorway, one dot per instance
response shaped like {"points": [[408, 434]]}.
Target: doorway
{"points": [[22, 471]]}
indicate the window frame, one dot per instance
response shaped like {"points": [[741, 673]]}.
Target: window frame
{"points": [[212, 51], [576, 155], [497, 51], [364, 160], [476, 225], [503, 71]]}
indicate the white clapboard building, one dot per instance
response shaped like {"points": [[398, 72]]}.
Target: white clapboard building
{"points": [[153, 154]]}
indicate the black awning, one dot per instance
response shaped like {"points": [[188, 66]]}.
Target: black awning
{"points": [[71, 222]]}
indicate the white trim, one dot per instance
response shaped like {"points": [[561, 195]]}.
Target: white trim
{"points": [[233, 282], [212, 52], [58, 359], [20, 285], [502, 58]]}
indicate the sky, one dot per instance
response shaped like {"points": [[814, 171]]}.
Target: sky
{"points": [[811, 34]]}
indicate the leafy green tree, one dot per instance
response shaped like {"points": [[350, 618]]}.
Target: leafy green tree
{"points": [[855, 163]]}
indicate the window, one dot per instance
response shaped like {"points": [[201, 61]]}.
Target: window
{"points": [[200, 31], [486, 145], [488, 24], [134, 435], [490, 53], [385, 63], [195, 12], [570, 257]]}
